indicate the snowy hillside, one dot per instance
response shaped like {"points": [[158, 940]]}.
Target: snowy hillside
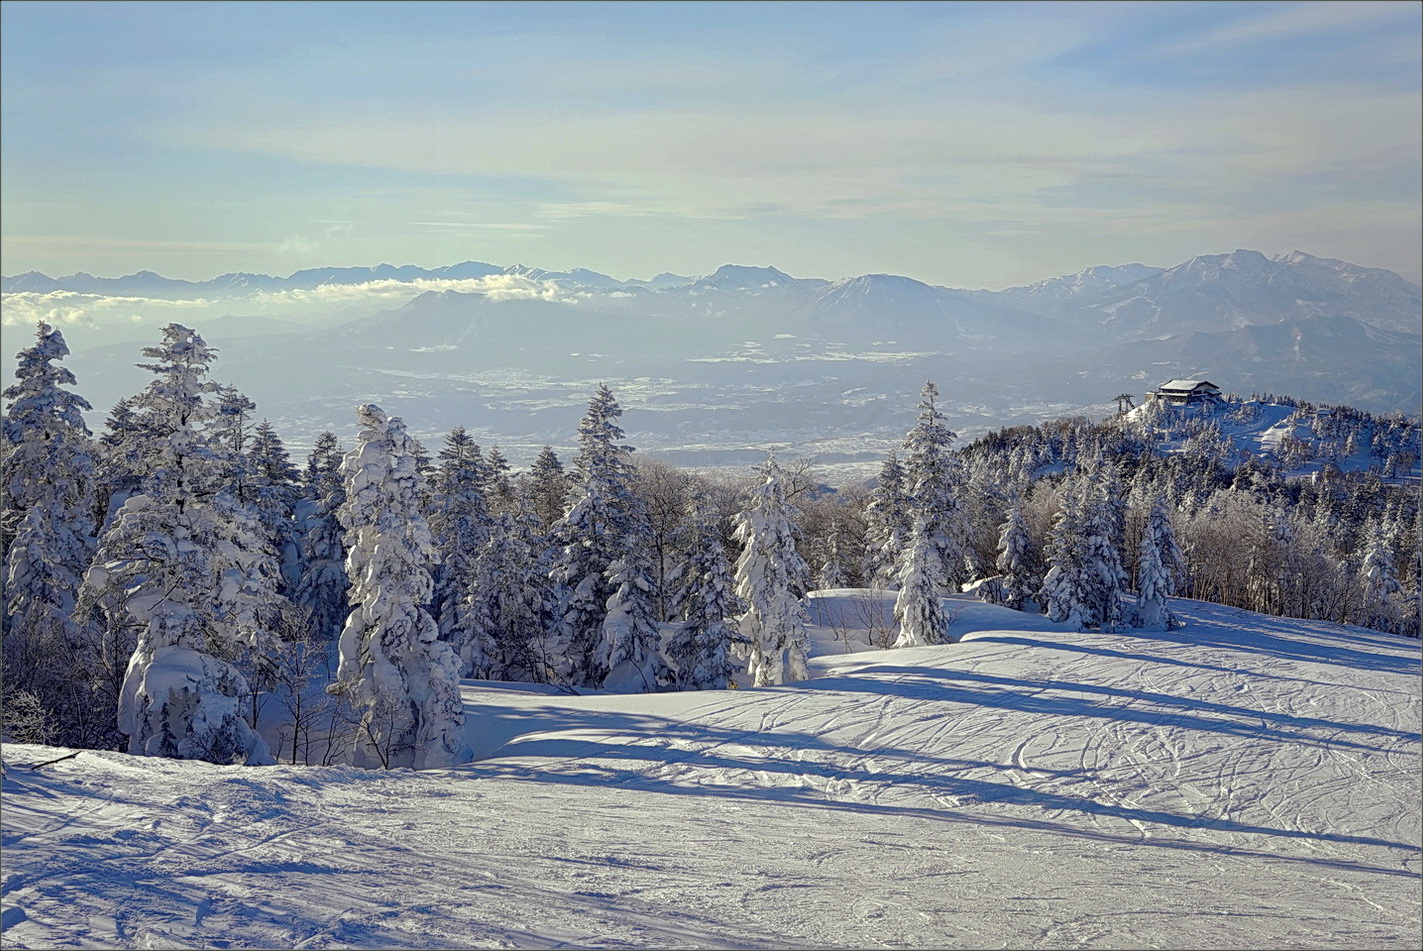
{"points": [[1242, 782], [1300, 439]]}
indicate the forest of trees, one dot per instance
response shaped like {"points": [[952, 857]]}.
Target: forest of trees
{"points": [[178, 586]]}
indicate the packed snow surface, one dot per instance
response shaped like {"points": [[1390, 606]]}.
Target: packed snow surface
{"points": [[1243, 782]]}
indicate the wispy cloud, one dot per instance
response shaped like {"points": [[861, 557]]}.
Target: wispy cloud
{"points": [[1299, 19]]}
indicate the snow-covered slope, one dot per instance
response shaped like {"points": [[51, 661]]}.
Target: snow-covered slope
{"points": [[1059, 294], [886, 306], [1243, 782]]}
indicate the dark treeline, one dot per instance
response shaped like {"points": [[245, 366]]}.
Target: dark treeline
{"points": [[179, 586]]}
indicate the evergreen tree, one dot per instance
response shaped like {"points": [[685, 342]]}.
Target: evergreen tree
{"points": [[1154, 579], [1107, 580], [548, 488], [394, 670], [1066, 586], [592, 536], [1382, 594], [273, 491], [702, 649], [887, 522], [511, 601], [774, 623], [500, 488], [321, 592], [120, 453], [933, 479], [918, 607], [630, 650], [48, 518], [461, 526], [186, 569], [831, 575], [1017, 578]]}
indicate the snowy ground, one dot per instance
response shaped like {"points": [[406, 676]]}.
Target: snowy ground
{"points": [[1246, 782]]}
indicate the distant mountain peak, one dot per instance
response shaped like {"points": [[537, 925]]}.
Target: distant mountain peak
{"points": [[741, 276]]}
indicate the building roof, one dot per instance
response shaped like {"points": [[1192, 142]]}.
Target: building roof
{"points": [[1186, 385]]}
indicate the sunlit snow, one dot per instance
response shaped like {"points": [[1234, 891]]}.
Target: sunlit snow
{"points": [[1244, 781]]}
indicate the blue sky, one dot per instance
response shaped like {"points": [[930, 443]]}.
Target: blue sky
{"points": [[976, 145]]}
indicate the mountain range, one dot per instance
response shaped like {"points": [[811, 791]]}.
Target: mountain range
{"points": [[749, 357]]}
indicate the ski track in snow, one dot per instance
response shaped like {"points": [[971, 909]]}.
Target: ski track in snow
{"points": [[1243, 782]]}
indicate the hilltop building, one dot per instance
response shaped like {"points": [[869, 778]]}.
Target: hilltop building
{"points": [[1186, 391]]}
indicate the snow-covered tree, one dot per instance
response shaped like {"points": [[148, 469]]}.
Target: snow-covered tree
{"points": [[511, 602], [918, 607], [702, 649], [547, 487], [272, 491], [1066, 593], [48, 517], [321, 592], [500, 487], [393, 669], [592, 536], [461, 526], [933, 479], [887, 522], [1382, 593], [774, 623], [1085, 581], [1155, 583], [1018, 581], [126, 435], [186, 568], [831, 575], [631, 650], [1106, 576]]}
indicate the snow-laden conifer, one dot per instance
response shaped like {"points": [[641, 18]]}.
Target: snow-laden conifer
{"points": [[631, 649], [321, 592], [547, 487], [461, 525], [511, 602], [918, 607], [933, 480], [1382, 593], [831, 575], [1106, 578], [394, 670], [1018, 581], [188, 571], [702, 649], [48, 518], [1154, 578], [887, 522], [774, 623], [272, 492], [592, 536], [1066, 594]]}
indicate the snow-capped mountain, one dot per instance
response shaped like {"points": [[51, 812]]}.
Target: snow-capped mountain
{"points": [[1059, 294], [886, 306], [1244, 288]]}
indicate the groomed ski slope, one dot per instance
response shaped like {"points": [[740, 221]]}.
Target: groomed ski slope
{"points": [[1245, 782]]}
